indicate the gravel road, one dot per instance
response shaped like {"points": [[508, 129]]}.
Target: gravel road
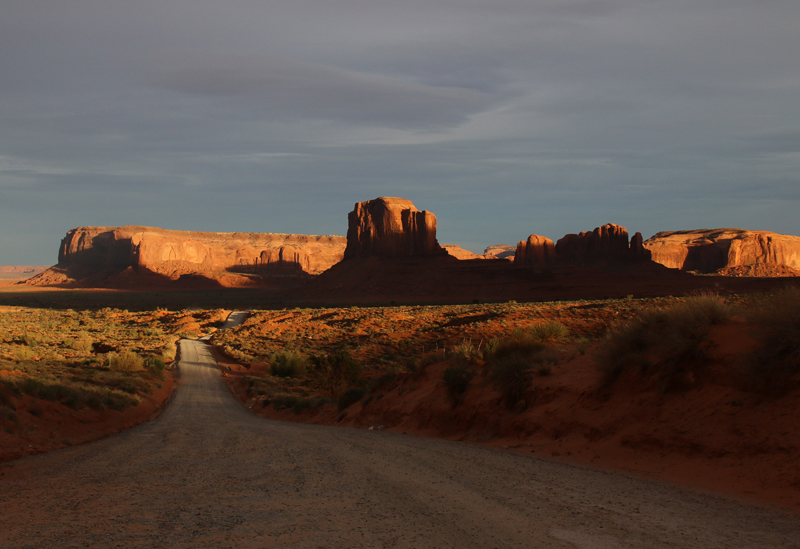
{"points": [[207, 473]]}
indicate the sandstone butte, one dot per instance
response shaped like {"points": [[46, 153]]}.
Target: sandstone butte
{"points": [[608, 243], [735, 252], [92, 252], [390, 227]]}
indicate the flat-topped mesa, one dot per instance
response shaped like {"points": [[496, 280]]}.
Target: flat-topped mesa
{"points": [[608, 243], [537, 250], [390, 227], [91, 252], [727, 251]]}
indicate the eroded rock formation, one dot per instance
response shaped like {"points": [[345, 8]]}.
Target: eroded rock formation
{"points": [[390, 227], [604, 244], [735, 252], [537, 250], [101, 252]]}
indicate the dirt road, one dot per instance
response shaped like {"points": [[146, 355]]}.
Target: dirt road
{"points": [[207, 473]]}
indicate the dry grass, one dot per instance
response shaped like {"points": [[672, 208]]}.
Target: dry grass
{"points": [[775, 321], [667, 344], [105, 358]]}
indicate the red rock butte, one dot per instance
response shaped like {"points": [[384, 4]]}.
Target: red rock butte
{"points": [[608, 243], [735, 252], [390, 227]]}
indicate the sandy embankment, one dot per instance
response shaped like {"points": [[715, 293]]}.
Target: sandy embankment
{"points": [[42, 426]]}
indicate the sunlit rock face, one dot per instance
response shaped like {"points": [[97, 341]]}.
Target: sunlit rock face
{"points": [[105, 251], [390, 227], [727, 251]]}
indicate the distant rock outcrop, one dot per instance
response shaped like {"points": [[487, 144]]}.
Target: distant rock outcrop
{"points": [[735, 252], [98, 253], [500, 251], [608, 243], [460, 253], [537, 250], [20, 271], [390, 227]]}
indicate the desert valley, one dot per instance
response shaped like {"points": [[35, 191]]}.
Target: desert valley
{"points": [[675, 358]]}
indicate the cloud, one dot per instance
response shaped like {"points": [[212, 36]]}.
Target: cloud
{"points": [[288, 88]]}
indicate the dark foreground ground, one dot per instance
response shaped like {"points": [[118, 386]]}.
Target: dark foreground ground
{"points": [[207, 473]]}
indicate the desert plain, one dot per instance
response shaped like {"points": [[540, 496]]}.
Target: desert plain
{"points": [[391, 394]]}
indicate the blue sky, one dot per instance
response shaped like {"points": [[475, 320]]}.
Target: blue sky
{"points": [[502, 117]]}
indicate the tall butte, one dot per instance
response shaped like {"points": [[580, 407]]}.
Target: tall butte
{"points": [[390, 227]]}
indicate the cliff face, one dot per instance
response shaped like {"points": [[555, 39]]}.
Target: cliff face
{"points": [[101, 252], [537, 250], [727, 251], [390, 227]]}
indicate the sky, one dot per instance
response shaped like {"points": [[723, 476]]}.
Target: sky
{"points": [[504, 118]]}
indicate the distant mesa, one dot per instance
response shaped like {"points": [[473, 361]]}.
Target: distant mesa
{"points": [[500, 251], [20, 271], [111, 255], [390, 227], [460, 253], [730, 252]]}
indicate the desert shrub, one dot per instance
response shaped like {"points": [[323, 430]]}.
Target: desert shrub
{"points": [[465, 353], [512, 377], [775, 321], [457, 378], [125, 361], [549, 333], [73, 396], [351, 396], [512, 360], [30, 340], [668, 344], [284, 400], [288, 364], [337, 370], [168, 352], [707, 308], [81, 344], [22, 354], [155, 364]]}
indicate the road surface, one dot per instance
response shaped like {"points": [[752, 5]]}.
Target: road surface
{"points": [[207, 473]]}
